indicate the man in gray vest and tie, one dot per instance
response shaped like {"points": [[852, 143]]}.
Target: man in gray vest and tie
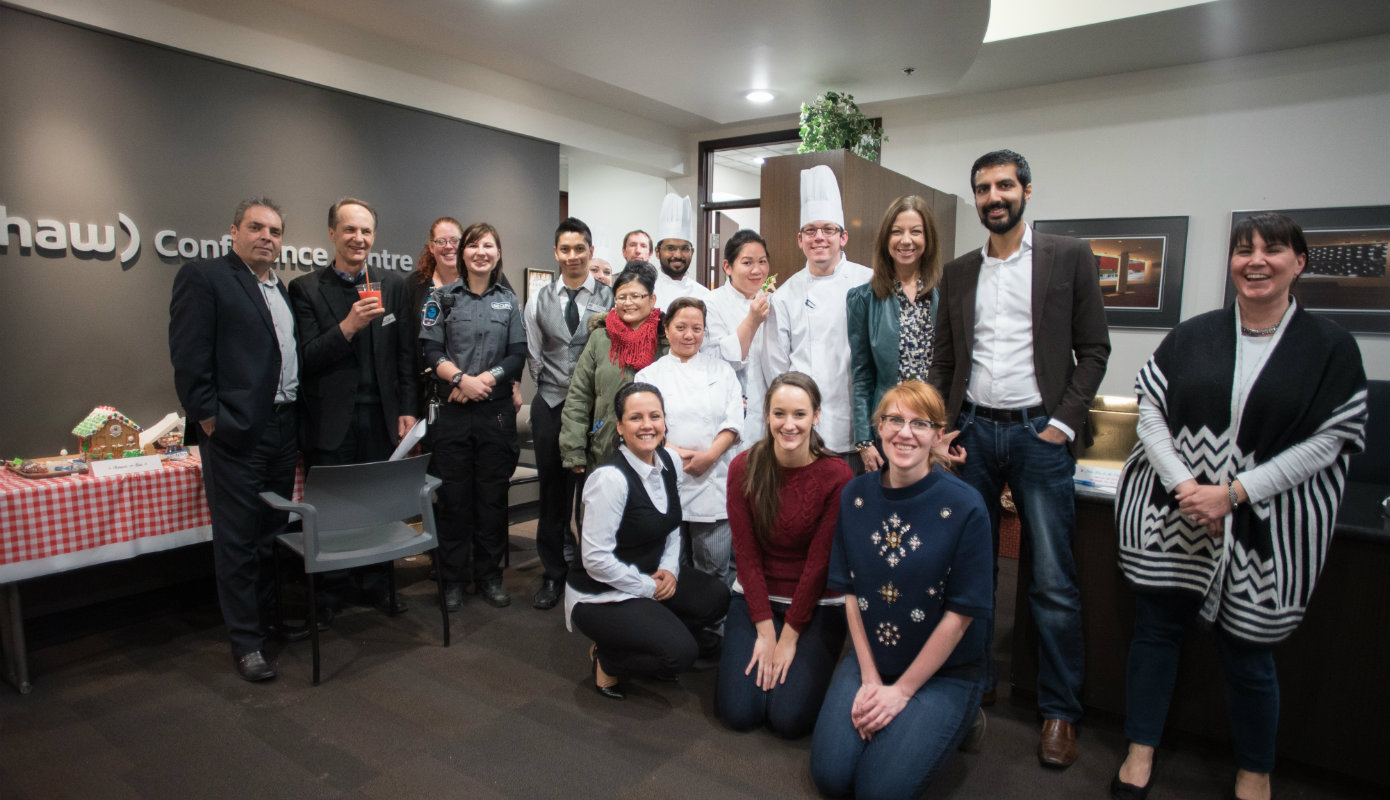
{"points": [[556, 332]]}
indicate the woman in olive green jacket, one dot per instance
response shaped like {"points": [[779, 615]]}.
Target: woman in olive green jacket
{"points": [[621, 342], [891, 318]]}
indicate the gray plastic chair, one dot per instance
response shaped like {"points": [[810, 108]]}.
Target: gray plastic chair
{"points": [[353, 516]]}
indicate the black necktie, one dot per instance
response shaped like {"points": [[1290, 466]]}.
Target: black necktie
{"points": [[572, 311]]}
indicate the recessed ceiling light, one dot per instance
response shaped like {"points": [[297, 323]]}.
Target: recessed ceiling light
{"points": [[757, 159], [760, 96]]}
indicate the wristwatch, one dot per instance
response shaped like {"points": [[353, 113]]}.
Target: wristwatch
{"points": [[457, 379]]}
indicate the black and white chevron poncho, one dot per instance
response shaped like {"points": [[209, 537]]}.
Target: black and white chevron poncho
{"points": [[1258, 579]]}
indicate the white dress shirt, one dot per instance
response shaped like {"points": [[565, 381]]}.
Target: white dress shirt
{"points": [[287, 388], [808, 333], [668, 290], [702, 399], [605, 500], [726, 310]]}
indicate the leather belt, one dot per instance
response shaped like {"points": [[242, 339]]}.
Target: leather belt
{"points": [[1007, 415]]}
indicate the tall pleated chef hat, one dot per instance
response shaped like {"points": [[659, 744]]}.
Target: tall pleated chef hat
{"points": [[820, 197], [676, 221]]}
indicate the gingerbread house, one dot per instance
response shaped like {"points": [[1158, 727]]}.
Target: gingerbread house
{"points": [[107, 433]]}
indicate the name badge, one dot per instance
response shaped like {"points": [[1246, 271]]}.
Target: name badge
{"points": [[388, 319], [501, 305]]}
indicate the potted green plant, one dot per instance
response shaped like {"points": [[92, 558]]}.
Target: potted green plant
{"points": [[832, 121]]}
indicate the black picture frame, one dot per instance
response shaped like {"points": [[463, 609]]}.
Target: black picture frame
{"points": [[1153, 244], [1346, 239]]}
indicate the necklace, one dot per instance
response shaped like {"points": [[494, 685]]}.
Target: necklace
{"points": [[1244, 331]]}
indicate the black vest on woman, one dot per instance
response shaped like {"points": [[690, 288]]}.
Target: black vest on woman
{"points": [[641, 537]]}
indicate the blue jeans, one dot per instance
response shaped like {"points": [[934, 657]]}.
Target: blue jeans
{"points": [[1040, 475], [1252, 686], [790, 708], [902, 758]]}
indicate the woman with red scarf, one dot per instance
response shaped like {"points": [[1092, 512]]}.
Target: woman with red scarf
{"points": [[621, 342]]}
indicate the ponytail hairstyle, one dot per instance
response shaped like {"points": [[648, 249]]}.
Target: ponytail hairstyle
{"points": [[762, 482]]}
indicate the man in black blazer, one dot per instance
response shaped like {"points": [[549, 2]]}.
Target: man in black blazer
{"points": [[1021, 346], [358, 358], [236, 370]]}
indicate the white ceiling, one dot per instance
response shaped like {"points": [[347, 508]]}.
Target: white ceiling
{"points": [[688, 65]]}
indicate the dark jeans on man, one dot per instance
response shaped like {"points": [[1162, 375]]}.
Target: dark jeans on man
{"points": [[1252, 685], [367, 440], [789, 709], [646, 638], [244, 527], [474, 451], [1039, 474], [558, 489]]}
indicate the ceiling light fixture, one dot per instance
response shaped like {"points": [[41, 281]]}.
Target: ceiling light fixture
{"points": [[759, 96]]}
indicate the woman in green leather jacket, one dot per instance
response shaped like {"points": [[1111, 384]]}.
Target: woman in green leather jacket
{"points": [[891, 317], [621, 342]]}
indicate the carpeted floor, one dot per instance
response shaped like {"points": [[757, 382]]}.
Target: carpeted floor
{"points": [[138, 699]]}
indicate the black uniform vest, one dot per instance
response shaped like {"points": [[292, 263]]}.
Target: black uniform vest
{"points": [[641, 536]]}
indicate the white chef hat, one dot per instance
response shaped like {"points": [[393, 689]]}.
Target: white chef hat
{"points": [[676, 219], [820, 196]]}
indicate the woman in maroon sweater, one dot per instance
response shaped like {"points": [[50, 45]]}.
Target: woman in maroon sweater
{"points": [[784, 632]]}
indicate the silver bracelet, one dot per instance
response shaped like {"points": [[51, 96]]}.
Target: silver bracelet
{"points": [[1231, 495]]}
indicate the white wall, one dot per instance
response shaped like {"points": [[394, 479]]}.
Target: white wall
{"points": [[612, 201], [1297, 129]]}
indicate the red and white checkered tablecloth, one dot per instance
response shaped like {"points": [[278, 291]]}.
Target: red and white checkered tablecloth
{"points": [[57, 520]]}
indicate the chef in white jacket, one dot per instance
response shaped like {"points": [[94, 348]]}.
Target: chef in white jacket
{"points": [[704, 414], [675, 251], [736, 327], [807, 328]]}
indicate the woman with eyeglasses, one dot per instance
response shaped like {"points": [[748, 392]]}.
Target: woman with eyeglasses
{"points": [[912, 553], [785, 629], [625, 589], [621, 342], [891, 318]]}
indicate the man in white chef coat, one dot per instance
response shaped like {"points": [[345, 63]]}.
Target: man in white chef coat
{"points": [[675, 249], [806, 324]]}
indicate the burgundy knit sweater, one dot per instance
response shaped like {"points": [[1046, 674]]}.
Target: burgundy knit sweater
{"points": [[796, 560]]}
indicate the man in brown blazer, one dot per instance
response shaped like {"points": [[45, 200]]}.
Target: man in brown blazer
{"points": [[1021, 346]]}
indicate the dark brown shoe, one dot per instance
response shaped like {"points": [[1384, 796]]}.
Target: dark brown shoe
{"points": [[1057, 748]]}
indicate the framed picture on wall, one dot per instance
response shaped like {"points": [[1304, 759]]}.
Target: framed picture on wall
{"points": [[536, 279], [1141, 265], [1348, 274]]}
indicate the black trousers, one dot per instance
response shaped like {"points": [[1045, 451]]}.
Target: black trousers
{"points": [[244, 527], [474, 450], [645, 638], [558, 489]]}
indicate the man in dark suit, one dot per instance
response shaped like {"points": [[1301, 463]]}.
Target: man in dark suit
{"points": [[358, 358], [1021, 347], [232, 344]]}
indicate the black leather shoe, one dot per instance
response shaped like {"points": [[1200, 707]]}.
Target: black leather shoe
{"points": [[494, 594], [287, 633], [548, 595], [453, 597], [253, 667], [612, 691], [383, 604]]}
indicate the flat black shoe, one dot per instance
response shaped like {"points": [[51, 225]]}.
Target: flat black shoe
{"points": [[494, 594], [453, 597], [613, 692], [253, 667], [548, 595], [1119, 790]]}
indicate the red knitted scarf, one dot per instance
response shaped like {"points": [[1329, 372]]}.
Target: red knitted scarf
{"points": [[629, 347]]}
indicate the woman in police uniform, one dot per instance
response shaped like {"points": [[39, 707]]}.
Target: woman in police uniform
{"points": [[472, 337]]}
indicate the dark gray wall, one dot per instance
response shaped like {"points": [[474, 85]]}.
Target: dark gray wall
{"points": [[92, 125]]}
